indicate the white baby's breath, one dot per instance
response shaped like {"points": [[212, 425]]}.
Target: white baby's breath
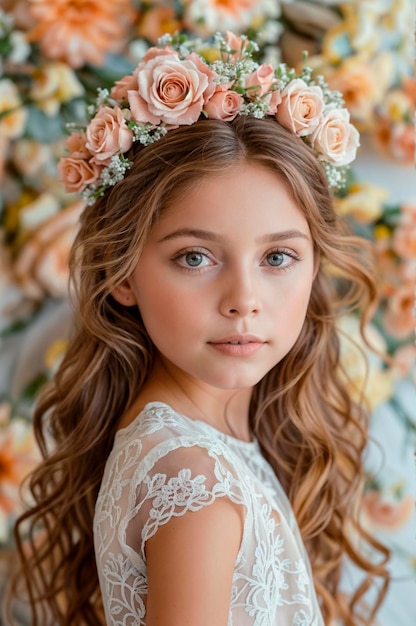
{"points": [[235, 71]]}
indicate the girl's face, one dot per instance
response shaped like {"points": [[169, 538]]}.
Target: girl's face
{"points": [[224, 280]]}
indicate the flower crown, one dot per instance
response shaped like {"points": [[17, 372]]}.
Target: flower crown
{"points": [[175, 85]]}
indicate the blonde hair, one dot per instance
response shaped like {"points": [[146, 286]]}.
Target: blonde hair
{"points": [[308, 427]]}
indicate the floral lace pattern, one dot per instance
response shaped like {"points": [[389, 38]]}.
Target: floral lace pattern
{"points": [[165, 465]]}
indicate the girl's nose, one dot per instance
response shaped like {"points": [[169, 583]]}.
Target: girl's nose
{"points": [[240, 295]]}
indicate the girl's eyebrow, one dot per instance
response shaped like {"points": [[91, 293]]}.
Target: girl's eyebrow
{"points": [[208, 235], [193, 232]]}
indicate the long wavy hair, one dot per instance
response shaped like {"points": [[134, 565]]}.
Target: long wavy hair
{"points": [[308, 427]]}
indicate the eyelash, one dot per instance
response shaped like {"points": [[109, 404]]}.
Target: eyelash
{"points": [[289, 253], [184, 253]]}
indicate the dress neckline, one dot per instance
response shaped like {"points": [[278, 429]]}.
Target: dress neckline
{"points": [[208, 427]]}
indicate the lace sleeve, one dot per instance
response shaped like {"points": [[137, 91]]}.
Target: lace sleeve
{"points": [[151, 480], [166, 467], [174, 479]]}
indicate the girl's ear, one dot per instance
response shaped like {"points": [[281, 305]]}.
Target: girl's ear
{"points": [[124, 294]]}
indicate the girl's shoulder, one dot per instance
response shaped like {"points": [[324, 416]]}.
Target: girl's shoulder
{"points": [[161, 440], [159, 424]]}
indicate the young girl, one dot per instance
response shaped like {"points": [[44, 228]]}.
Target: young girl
{"points": [[206, 458]]}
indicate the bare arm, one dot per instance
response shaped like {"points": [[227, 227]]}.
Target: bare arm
{"points": [[190, 563]]}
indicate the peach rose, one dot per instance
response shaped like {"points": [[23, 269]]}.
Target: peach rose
{"points": [[77, 173], [224, 105], [76, 144], [301, 108], [108, 134], [336, 138], [170, 91], [121, 87], [236, 43], [386, 514], [260, 81], [210, 74], [154, 52], [273, 99]]}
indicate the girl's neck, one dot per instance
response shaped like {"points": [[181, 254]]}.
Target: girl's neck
{"points": [[226, 410]]}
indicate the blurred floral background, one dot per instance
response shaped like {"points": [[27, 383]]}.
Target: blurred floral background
{"points": [[53, 56]]}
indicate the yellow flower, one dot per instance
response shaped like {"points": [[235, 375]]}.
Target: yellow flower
{"points": [[364, 202], [381, 232], [54, 353], [210, 54], [31, 157], [55, 83], [38, 211], [398, 105], [364, 372], [354, 34], [157, 21], [12, 115], [41, 268]]}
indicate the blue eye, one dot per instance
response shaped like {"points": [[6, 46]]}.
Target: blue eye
{"points": [[194, 259], [276, 259]]}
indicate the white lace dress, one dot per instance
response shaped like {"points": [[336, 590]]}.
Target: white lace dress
{"points": [[165, 465]]}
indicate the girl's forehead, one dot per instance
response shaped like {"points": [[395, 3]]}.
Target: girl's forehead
{"points": [[243, 197]]}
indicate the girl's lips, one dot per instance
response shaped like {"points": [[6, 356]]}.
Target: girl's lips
{"points": [[238, 339], [238, 345]]}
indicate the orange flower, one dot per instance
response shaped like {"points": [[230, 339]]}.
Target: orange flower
{"points": [[79, 31], [157, 21], [404, 240], [386, 513], [399, 320], [18, 456]]}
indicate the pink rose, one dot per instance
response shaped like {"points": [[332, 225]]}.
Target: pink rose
{"points": [[76, 174], [260, 81], [301, 108], [235, 43], [170, 91], [224, 105], [273, 99], [108, 134], [122, 86], [210, 74], [154, 51], [335, 138], [76, 144]]}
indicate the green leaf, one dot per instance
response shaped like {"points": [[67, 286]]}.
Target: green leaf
{"points": [[42, 127]]}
